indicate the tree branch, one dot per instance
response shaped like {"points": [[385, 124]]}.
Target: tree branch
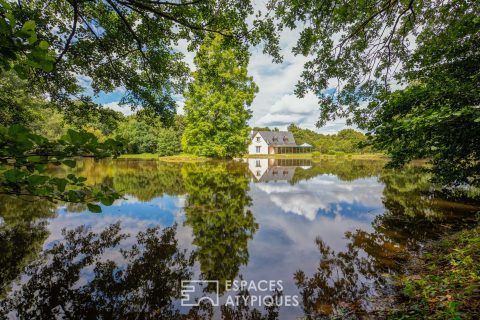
{"points": [[72, 33]]}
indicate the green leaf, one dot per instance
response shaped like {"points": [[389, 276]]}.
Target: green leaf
{"points": [[36, 179], [43, 45], [70, 163], [28, 26], [107, 201], [94, 208], [13, 175], [60, 183]]}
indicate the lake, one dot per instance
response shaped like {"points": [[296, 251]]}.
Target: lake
{"points": [[319, 238]]}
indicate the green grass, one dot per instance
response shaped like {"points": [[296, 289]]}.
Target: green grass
{"points": [[446, 280], [313, 156], [141, 156], [183, 157]]}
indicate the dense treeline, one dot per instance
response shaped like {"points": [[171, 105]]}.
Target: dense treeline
{"points": [[346, 140], [142, 132]]}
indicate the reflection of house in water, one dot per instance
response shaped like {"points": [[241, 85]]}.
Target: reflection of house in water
{"points": [[264, 170]]}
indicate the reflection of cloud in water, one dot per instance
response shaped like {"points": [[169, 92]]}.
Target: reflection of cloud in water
{"points": [[325, 193], [323, 207], [134, 216]]}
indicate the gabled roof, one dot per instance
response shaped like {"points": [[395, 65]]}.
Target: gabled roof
{"points": [[277, 138]]}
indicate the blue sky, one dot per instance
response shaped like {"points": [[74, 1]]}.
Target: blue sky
{"points": [[275, 104]]}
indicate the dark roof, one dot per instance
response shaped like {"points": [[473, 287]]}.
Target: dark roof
{"points": [[277, 138], [278, 173]]}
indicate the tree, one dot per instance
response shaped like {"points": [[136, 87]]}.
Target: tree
{"points": [[24, 155], [217, 101], [130, 44], [139, 136], [429, 47], [168, 142]]}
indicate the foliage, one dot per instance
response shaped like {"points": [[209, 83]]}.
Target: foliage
{"points": [[168, 142], [20, 104], [20, 43], [217, 101], [25, 155], [429, 48], [140, 137], [446, 283], [131, 45], [346, 140], [437, 118]]}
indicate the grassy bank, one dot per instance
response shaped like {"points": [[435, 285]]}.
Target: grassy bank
{"points": [[314, 156], [183, 157], [176, 158], [445, 281]]}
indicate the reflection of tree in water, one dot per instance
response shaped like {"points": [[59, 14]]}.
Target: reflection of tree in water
{"points": [[143, 179], [22, 234], [75, 280], [143, 287], [415, 213], [216, 210], [345, 170]]}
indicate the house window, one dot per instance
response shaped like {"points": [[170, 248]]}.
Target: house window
{"points": [[258, 149], [285, 139], [258, 139], [274, 139], [257, 164]]}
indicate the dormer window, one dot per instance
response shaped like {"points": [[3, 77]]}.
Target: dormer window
{"points": [[274, 139], [285, 139]]}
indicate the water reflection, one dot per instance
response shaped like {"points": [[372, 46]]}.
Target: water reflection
{"points": [[333, 231], [23, 231], [215, 209], [264, 170]]}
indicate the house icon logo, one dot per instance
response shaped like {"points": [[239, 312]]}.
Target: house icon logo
{"points": [[191, 288]]}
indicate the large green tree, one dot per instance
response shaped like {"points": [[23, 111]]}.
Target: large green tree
{"points": [[131, 44], [372, 47], [217, 102]]}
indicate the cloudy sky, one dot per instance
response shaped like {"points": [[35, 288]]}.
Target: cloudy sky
{"points": [[275, 104]]}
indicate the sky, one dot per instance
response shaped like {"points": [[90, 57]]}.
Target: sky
{"points": [[275, 104]]}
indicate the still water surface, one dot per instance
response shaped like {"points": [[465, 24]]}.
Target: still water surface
{"points": [[332, 233]]}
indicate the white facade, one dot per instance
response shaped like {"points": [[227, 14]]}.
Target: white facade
{"points": [[258, 145]]}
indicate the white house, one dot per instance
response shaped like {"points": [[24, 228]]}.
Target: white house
{"points": [[274, 142]]}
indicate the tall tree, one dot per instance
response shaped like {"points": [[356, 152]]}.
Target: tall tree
{"points": [[430, 46], [132, 44], [217, 101]]}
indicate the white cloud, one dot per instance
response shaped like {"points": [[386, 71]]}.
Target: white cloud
{"points": [[275, 104], [125, 109]]}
